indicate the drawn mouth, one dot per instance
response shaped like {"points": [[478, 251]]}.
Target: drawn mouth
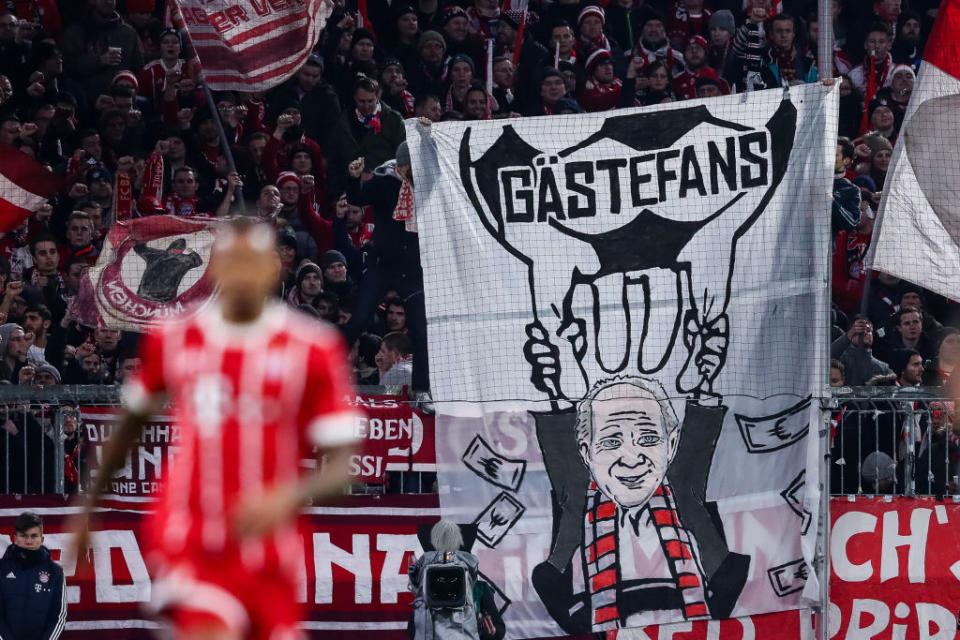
{"points": [[633, 481]]}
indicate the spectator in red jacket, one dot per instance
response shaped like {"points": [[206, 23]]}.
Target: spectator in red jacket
{"points": [[601, 91]]}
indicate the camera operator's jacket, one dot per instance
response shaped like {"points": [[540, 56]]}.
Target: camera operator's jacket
{"points": [[33, 596]]}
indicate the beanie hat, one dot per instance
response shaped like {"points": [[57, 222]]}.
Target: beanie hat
{"points": [[361, 34], [897, 68], [900, 358], [129, 76], [592, 10], [879, 101], [723, 19], [877, 143], [865, 182], [700, 41], [512, 18], [549, 72], [430, 36], [452, 12], [331, 257], [46, 367], [170, 31], [878, 466], [391, 62], [286, 239], [595, 59], [403, 154], [403, 10], [461, 57], [287, 176], [305, 268]]}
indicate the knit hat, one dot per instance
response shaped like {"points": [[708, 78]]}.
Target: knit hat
{"points": [[98, 173], [287, 239], [287, 176], [699, 41], [305, 268], [5, 331], [511, 17], [897, 68], [452, 12], [430, 36], [878, 466], [711, 79], [591, 10], [129, 76], [332, 257], [877, 143], [403, 10], [170, 31], [391, 62], [362, 34], [900, 358], [723, 19], [461, 57], [403, 154], [46, 367], [595, 59], [549, 72], [566, 104], [879, 101]]}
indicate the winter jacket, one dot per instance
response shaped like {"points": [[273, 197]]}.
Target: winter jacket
{"points": [[395, 250], [859, 363], [33, 595], [350, 140], [84, 43]]}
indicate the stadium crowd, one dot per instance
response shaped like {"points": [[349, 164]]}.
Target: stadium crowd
{"points": [[107, 90]]}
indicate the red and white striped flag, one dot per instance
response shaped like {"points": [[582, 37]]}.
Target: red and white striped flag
{"points": [[24, 187], [917, 235], [254, 45]]}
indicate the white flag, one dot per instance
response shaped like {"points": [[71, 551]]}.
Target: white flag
{"points": [[917, 236]]}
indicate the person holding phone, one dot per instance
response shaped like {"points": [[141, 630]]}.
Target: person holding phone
{"points": [[99, 46], [854, 349]]}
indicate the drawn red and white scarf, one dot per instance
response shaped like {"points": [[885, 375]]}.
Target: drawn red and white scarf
{"points": [[601, 556]]}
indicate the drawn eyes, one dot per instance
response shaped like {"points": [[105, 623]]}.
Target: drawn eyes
{"points": [[648, 440], [610, 443]]}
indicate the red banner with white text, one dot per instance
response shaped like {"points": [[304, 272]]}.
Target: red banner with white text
{"points": [[394, 437], [895, 568]]}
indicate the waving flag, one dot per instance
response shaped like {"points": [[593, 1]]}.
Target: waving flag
{"points": [[251, 46], [917, 236], [24, 187]]}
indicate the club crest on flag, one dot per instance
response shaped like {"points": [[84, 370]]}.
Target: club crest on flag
{"points": [[150, 269]]}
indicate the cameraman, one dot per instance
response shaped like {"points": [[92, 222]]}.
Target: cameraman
{"points": [[465, 609]]}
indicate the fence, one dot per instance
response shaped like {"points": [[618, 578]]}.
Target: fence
{"points": [[892, 441], [50, 439]]}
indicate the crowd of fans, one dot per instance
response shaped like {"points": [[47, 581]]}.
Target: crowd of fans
{"points": [[101, 90]]}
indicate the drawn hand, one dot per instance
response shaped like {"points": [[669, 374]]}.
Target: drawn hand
{"points": [[544, 358]]}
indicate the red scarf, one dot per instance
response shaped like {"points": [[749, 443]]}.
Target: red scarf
{"points": [[874, 80], [785, 64]]}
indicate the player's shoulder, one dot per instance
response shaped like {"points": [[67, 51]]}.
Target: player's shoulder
{"points": [[307, 330]]}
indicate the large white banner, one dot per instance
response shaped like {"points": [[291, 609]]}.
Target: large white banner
{"points": [[627, 318]]}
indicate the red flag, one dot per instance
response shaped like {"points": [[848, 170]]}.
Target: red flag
{"points": [[255, 47], [24, 187]]}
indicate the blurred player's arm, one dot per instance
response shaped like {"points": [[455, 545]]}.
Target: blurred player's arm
{"points": [[142, 398]]}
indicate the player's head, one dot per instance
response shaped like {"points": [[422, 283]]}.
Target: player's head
{"points": [[244, 264], [28, 531], [627, 434]]}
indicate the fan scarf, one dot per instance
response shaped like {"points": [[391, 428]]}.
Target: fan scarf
{"points": [[601, 556], [371, 121]]}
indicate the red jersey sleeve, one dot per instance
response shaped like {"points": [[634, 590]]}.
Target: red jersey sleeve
{"points": [[151, 381], [327, 416]]}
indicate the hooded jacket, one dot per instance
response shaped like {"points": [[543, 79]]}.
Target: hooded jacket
{"points": [[84, 43], [33, 595]]}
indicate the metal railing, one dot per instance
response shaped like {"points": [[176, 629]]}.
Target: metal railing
{"points": [[893, 441]]}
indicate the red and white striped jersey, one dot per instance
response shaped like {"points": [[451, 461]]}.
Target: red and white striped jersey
{"points": [[251, 402]]}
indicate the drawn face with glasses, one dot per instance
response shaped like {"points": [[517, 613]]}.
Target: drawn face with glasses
{"points": [[626, 443]]}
